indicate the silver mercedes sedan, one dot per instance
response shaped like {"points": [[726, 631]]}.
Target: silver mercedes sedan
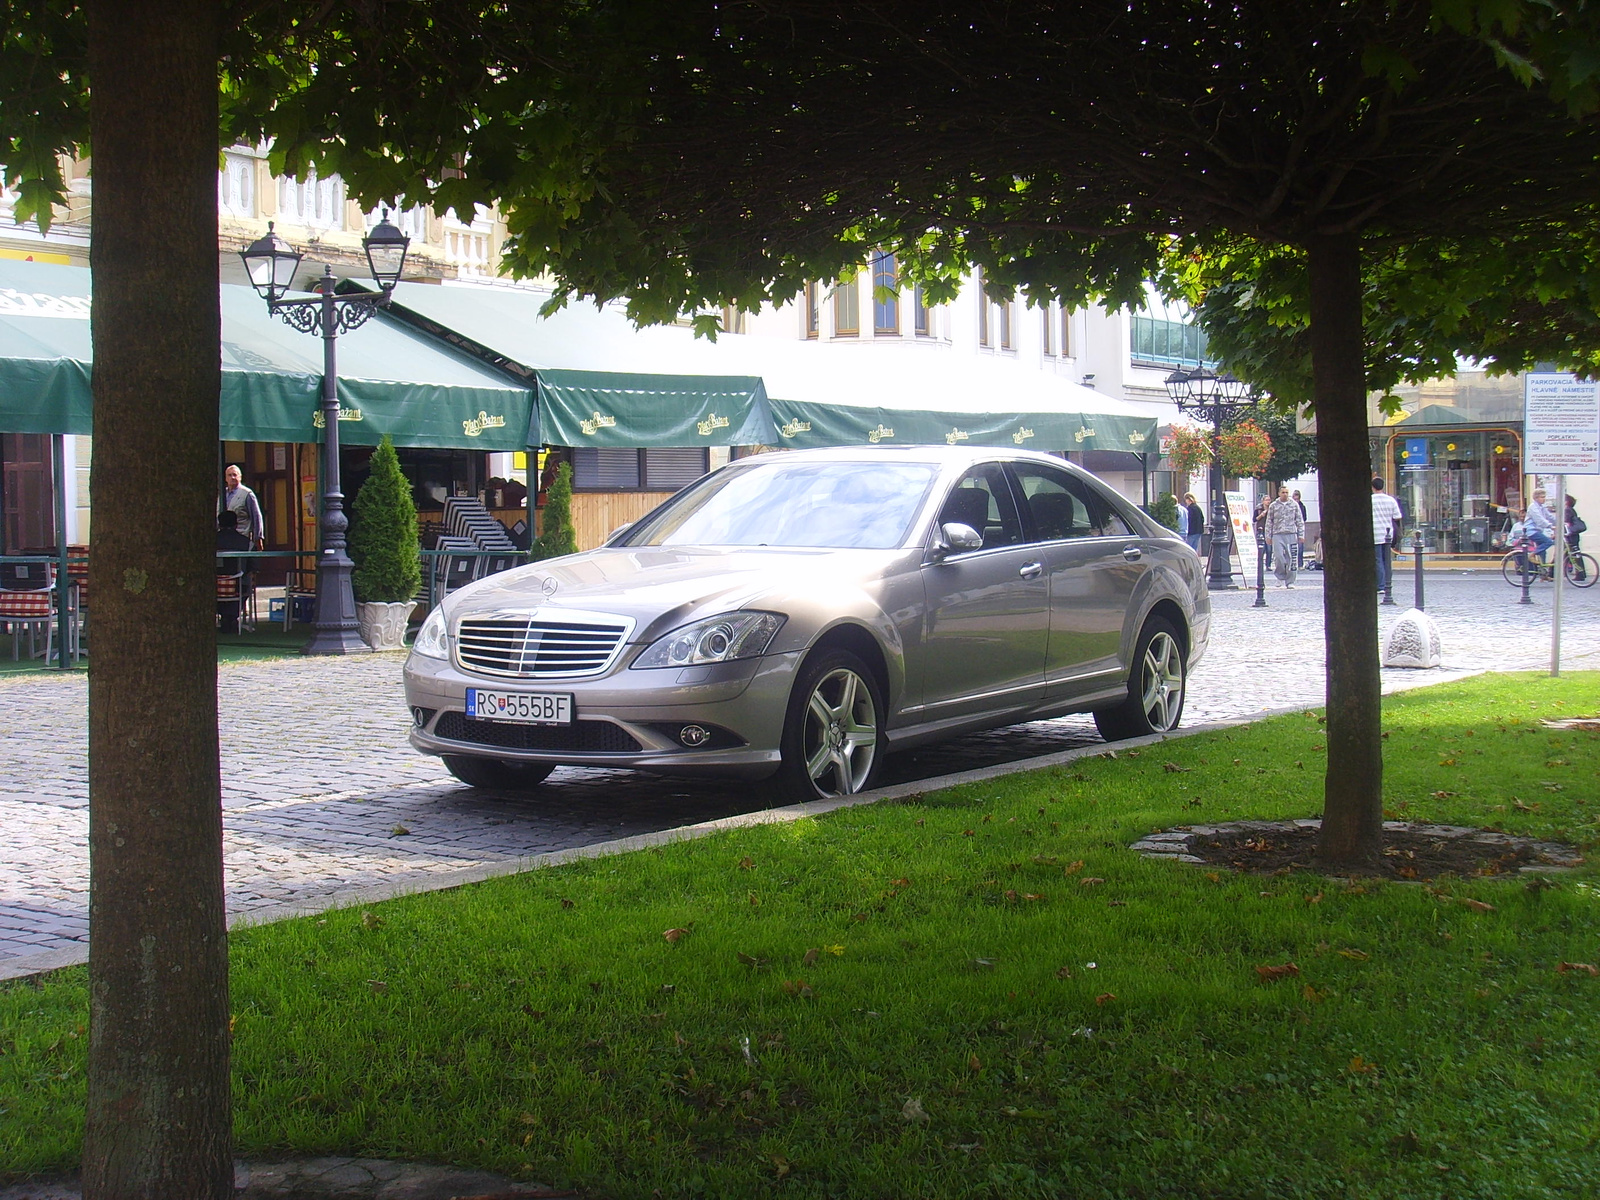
{"points": [[801, 615]]}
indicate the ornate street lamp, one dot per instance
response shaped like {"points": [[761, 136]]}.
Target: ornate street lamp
{"points": [[1215, 399], [271, 263]]}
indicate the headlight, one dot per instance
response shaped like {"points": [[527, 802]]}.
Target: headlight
{"points": [[431, 640], [714, 640]]}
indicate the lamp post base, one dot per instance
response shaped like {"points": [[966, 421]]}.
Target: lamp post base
{"points": [[337, 631]]}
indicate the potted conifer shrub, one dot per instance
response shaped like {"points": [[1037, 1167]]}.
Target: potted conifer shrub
{"points": [[558, 537], [383, 546]]}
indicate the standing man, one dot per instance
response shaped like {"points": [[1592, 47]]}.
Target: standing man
{"points": [[1197, 523], [1300, 551], [1385, 528], [246, 509], [1285, 527]]}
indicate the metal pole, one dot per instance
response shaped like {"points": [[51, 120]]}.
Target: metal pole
{"points": [[1416, 549], [1220, 575], [1527, 562], [1261, 562], [335, 621], [1560, 575], [58, 464]]}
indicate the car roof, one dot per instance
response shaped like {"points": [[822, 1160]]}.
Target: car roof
{"points": [[944, 456]]}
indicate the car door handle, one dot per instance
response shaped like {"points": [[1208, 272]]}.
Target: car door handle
{"points": [[1132, 553], [1031, 570]]}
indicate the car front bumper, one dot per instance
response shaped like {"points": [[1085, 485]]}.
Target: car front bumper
{"points": [[624, 718]]}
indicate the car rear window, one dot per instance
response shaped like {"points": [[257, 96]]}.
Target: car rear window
{"points": [[849, 505]]}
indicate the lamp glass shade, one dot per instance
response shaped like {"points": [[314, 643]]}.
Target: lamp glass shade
{"points": [[386, 253], [271, 264]]}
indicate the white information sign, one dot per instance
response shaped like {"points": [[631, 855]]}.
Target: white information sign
{"points": [[1244, 530], [1561, 424]]}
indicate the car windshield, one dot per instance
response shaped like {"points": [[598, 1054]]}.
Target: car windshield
{"points": [[842, 505]]}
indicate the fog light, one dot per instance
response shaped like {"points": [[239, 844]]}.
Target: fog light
{"points": [[693, 735], [421, 716]]}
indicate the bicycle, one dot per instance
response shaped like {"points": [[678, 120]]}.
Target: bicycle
{"points": [[1580, 567]]}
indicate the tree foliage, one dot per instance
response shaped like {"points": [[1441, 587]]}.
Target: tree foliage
{"points": [[557, 536], [383, 533]]}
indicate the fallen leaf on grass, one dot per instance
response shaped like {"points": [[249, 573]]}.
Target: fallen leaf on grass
{"points": [[536, 1013], [755, 900], [1174, 767], [1571, 968], [1091, 881], [1360, 1066], [811, 956], [751, 961], [913, 1111], [968, 833], [1281, 971], [747, 863], [371, 920], [1521, 807], [1032, 896], [797, 987], [1046, 860], [1447, 762], [672, 935], [780, 1165], [1063, 972], [1073, 868], [378, 985], [1317, 899], [1105, 997], [1477, 905], [900, 883], [1355, 955], [983, 964], [1443, 795], [565, 903], [1312, 995], [973, 1064]]}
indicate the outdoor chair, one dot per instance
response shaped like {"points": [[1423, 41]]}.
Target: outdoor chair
{"points": [[28, 602]]}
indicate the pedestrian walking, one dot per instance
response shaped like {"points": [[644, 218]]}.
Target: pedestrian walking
{"points": [[1300, 550], [1260, 519], [1575, 527], [1285, 530], [1197, 523], [246, 509], [1386, 517]]}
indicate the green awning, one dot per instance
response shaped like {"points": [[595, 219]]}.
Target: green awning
{"points": [[802, 425], [391, 379], [601, 382], [609, 408]]}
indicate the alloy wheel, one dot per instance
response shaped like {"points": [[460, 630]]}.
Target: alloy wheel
{"points": [[841, 733]]}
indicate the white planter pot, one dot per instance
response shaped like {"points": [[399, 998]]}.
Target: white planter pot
{"points": [[383, 625]]}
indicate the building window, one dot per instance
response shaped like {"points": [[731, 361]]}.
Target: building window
{"points": [[1049, 326], [733, 319], [666, 469], [236, 185], [812, 311], [314, 203], [983, 310], [846, 308], [921, 313], [885, 294], [1066, 332], [1003, 313], [1159, 340]]}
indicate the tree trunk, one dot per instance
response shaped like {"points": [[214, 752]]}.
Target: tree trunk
{"points": [[1352, 815], [158, 1087]]}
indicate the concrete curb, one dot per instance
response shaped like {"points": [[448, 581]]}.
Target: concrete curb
{"points": [[55, 960]]}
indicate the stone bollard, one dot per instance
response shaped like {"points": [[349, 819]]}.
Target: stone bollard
{"points": [[1413, 642]]}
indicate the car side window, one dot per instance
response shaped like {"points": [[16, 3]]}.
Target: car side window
{"points": [[1111, 521], [1059, 507], [982, 499]]}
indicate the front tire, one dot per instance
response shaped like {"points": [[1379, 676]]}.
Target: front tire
{"points": [[1156, 686], [498, 775], [833, 740]]}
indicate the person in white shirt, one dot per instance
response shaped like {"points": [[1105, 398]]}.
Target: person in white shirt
{"points": [[1385, 528], [1540, 526]]}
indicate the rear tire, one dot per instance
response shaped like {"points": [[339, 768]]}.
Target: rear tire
{"points": [[833, 740], [1156, 686], [498, 775]]}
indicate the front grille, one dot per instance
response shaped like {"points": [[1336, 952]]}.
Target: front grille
{"points": [[581, 737], [523, 647]]}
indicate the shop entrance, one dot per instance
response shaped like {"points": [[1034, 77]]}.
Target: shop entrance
{"points": [[1457, 486]]}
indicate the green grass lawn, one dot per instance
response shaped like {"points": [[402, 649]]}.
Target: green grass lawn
{"points": [[975, 993]]}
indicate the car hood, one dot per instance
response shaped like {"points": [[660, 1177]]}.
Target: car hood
{"points": [[661, 587]]}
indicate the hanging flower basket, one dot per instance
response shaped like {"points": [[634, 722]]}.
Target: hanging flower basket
{"points": [[1188, 449], [1246, 449]]}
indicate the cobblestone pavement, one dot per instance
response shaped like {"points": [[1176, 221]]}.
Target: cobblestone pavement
{"points": [[322, 794]]}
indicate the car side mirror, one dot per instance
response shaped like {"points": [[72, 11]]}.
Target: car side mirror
{"points": [[954, 537], [618, 532]]}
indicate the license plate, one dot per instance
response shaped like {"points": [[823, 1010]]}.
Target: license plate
{"points": [[521, 708]]}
